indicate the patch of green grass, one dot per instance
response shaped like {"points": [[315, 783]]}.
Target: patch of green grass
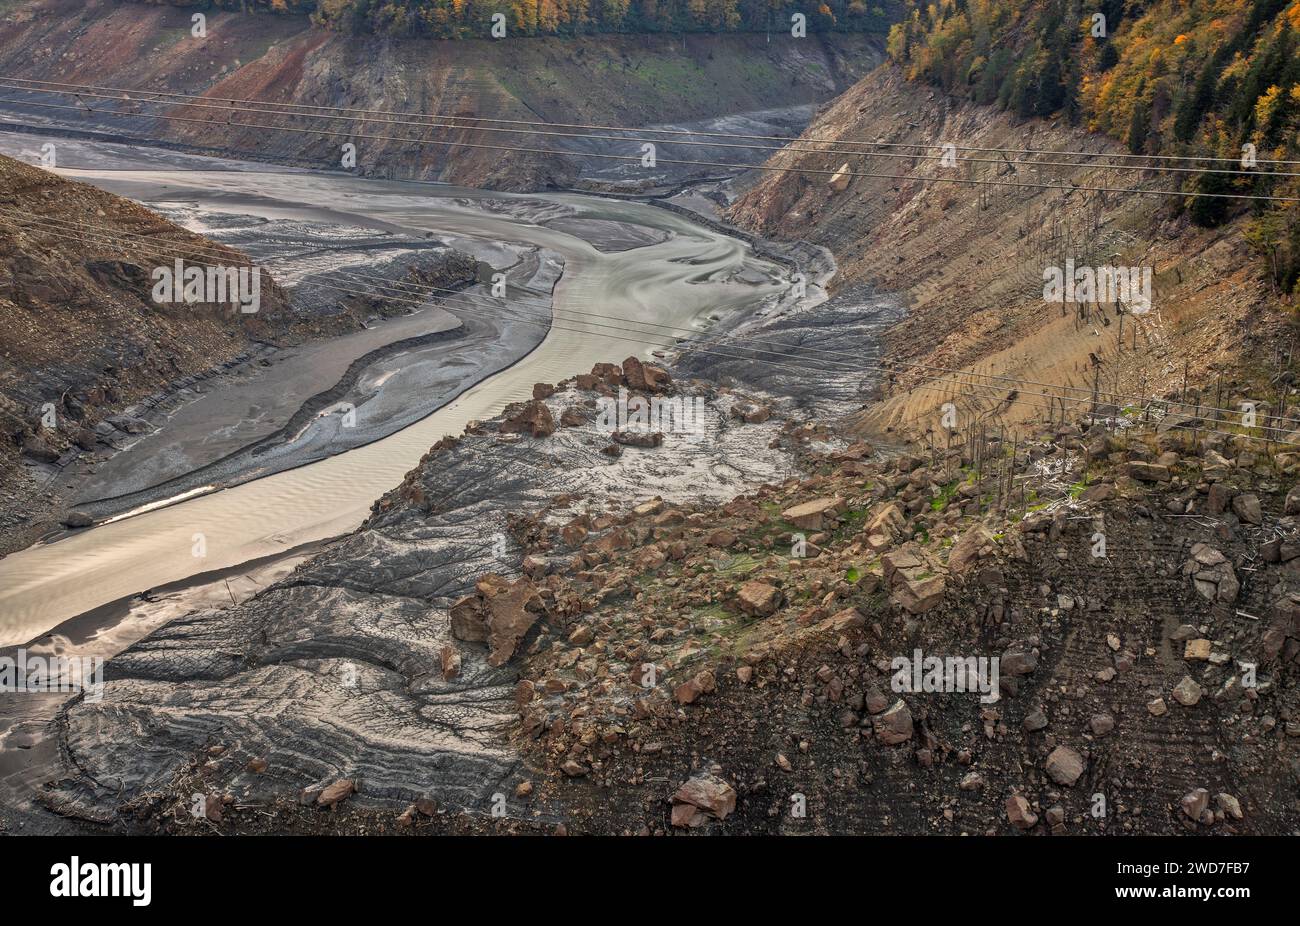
{"points": [[946, 494], [742, 564]]}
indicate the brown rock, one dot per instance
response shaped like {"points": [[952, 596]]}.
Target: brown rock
{"points": [[815, 515], [450, 662], [336, 793], [918, 594], [721, 538], [1248, 509], [532, 418], [1064, 766], [687, 692], [1218, 498], [1101, 492], [645, 377], [1195, 803], [758, 599], [500, 614], [894, 726], [705, 794], [645, 439], [969, 547], [572, 417], [1149, 472], [1187, 692], [1229, 805], [1019, 813]]}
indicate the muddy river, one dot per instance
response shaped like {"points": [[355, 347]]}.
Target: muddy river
{"points": [[624, 264]]}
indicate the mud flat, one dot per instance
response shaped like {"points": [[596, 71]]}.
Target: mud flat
{"points": [[602, 303]]}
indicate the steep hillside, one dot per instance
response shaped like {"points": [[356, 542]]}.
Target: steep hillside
{"points": [[615, 80], [970, 260], [82, 337]]}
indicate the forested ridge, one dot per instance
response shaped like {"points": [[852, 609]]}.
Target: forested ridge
{"points": [[473, 18], [1171, 77]]}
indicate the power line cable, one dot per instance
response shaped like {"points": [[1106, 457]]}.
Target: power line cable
{"points": [[771, 168], [184, 97], [201, 104]]}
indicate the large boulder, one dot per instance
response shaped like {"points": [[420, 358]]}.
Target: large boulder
{"points": [[914, 582], [816, 515], [1246, 506], [1149, 472], [532, 418], [970, 547], [700, 798], [1064, 766], [918, 594], [758, 599], [887, 519], [499, 613], [645, 377]]}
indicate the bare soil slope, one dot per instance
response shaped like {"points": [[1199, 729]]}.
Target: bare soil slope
{"points": [[617, 80], [970, 259]]}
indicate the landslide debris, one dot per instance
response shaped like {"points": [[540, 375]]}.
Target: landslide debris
{"points": [[678, 665]]}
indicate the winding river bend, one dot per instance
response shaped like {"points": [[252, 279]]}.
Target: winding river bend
{"points": [[688, 273]]}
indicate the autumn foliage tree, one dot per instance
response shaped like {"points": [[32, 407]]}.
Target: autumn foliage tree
{"points": [[472, 18], [1202, 78]]}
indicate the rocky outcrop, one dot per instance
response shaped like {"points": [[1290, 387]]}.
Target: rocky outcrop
{"points": [[499, 613], [531, 418], [913, 580]]}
